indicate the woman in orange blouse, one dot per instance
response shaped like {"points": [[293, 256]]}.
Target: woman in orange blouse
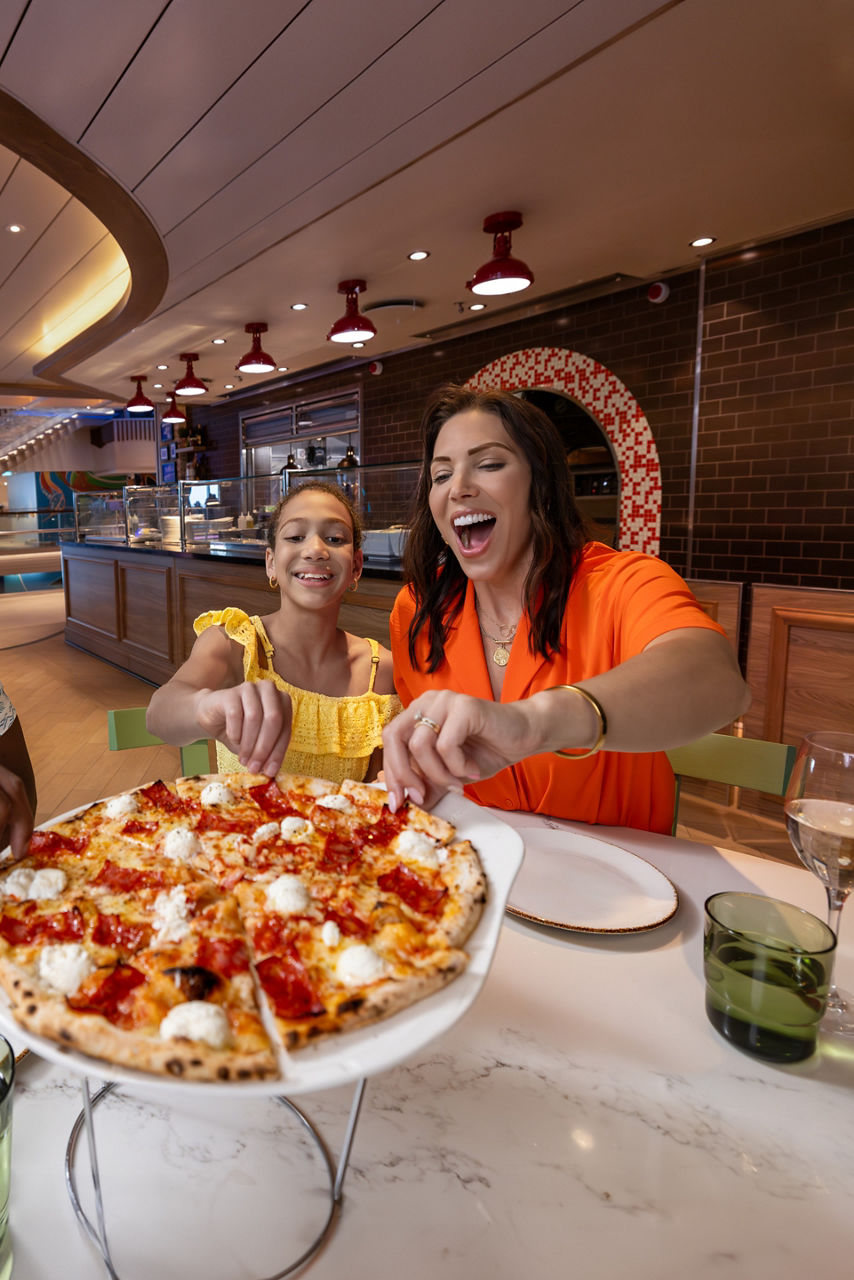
{"points": [[540, 669]]}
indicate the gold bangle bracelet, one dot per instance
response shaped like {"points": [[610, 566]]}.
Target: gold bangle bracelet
{"points": [[600, 714]]}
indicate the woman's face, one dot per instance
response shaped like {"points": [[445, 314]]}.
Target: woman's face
{"points": [[314, 559], [480, 496]]}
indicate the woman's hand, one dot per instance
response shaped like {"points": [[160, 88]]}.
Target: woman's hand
{"points": [[444, 740], [16, 816], [253, 719]]}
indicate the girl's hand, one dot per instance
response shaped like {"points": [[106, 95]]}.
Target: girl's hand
{"points": [[16, 816], [252, 719]]}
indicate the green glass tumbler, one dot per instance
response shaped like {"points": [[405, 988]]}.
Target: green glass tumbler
{"points": [[7, 1081], [767, 966]]}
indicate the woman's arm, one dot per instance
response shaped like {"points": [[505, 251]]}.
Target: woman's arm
{"points": [[684, 684], [206, 698], [17, 791]]}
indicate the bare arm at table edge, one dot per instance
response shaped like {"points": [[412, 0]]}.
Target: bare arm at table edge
{"points": [[17, 790], [685, 683], [208, 698]]}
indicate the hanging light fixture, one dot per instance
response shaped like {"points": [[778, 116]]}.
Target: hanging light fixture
{"points": [[173, 413], [256, 360], [189, 385], [138, 402], [352, 327], [503, 273]]}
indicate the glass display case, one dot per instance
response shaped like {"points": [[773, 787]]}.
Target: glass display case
{"points": [[100, 517], [228, 517], [382, 494], [152, 516]]}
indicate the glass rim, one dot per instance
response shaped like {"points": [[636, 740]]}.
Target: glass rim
{"points": [[836, 740], [6, 1085], [765, 898]]}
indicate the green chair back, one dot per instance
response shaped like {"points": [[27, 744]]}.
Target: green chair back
{"points": [[738, 762], [127, 729]]}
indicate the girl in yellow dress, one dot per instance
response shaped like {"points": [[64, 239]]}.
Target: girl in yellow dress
{"points": [[289, 690]]}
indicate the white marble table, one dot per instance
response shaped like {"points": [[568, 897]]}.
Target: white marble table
{"points": [[582, 1120]]}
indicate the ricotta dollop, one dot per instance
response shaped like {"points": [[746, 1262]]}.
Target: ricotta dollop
{"points": [[25, 883], [336, 801], [415, 846], [288, 895], [268, 831], [171, 914], [330, 934], [64, 965], [197, 1020], [216, 793], [121, 806], [359, 965], [181, 844], [293, 828]]}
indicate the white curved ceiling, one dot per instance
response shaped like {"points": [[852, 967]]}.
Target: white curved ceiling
{"points": [[281, 147]]}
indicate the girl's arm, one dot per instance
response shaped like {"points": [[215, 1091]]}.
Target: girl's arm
{"points": [[207, 698]]}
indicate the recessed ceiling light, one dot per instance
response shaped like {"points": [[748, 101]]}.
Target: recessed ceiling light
{"points": [[418, 255], [477, 306], [158, 386], [702, 241], [218, 342], [283, 368], [14, 227], [299, 306], [163, 366], [229, 386], [358, 344]]}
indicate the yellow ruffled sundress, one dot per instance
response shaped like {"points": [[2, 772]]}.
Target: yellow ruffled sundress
{"points": [[330, 737]]}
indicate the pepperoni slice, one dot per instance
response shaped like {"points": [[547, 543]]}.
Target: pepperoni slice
{"points": [[339, 856], [158, 795], [26, 926], [273, 801], [137, 828], [288, 986], [108, 995], [413, 891], [50, 843], [129, 879], [125, 935], [225, 956], [348, 922]]}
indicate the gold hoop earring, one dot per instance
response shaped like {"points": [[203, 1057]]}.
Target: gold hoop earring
{"points": [[274, 585], [354, 585]]}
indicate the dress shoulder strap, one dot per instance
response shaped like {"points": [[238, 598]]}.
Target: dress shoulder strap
{"points": [[375, 662], [263, 645]]}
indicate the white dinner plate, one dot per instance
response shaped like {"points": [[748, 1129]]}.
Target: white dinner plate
{"points": [[341, 1060], [578, 882]]}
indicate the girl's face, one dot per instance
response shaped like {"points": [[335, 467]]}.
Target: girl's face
{"points": [[480, 496], [314, 559]]}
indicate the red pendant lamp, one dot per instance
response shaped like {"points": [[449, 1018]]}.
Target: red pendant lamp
{"points": [[189, 385], [256, 360], [503, 273], [353, 326], [173, 413], [138, 402]]}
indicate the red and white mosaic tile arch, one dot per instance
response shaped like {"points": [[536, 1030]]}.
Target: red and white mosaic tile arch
{"points": [[610, 403]]}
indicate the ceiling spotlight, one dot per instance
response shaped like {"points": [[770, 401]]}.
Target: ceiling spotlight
{"points": [[477, 306], [299, 306], [173, 413], [163, 366], [358, 344], [138, 402], [418, 255], [229, 386], [218, 342], [702, 242], [283, 368], [256, 360], [14, 227], [503, 273], [352, 327], [189, 385]]}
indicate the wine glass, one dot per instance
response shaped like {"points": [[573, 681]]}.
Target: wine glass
{"points": [[819, 810]]}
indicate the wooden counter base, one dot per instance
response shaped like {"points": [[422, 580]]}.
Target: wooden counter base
{"points": [[136, 608]]}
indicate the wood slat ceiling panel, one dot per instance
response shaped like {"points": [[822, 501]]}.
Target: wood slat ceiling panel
{"points": [[63, 270], [178, 75], [66, 57], [274, 97], [398, 112]]}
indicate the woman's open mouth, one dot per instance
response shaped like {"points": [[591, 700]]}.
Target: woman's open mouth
{"points": [[474, 531]]}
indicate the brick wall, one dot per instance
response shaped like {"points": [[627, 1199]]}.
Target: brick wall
{"points": [[774, 499]]}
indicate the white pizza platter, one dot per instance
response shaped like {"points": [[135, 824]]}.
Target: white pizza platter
{"points": [[341, 1060]]}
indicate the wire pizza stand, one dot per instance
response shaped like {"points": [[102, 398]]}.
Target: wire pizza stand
{"points": [[97, 1230]]}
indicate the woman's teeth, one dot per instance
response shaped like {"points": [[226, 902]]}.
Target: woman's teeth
{"points": [[466, 526]]}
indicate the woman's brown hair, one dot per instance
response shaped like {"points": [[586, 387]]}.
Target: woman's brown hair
{"points": [[319, 486], [558, 532]]}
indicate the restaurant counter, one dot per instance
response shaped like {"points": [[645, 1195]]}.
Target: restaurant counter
{"points": [[135, 607], [582, 1119]]}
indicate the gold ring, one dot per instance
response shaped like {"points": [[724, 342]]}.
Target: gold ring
{"points": [[420, 718]]}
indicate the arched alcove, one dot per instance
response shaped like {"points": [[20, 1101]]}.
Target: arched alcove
{"points": [[613, 407]]}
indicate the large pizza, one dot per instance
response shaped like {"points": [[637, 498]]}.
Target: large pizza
{"points": [[200, 928]]}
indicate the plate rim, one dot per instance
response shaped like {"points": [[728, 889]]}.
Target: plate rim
{"points": [[568, 927], [338, 1061]]}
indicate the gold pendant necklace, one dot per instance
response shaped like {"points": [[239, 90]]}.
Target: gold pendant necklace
{"points": [[500, 654]]}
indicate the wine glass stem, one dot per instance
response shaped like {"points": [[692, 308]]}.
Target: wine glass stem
{"points": [[835, 902]]}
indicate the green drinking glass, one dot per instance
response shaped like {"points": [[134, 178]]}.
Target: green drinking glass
{"points": [[768, 967]]}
